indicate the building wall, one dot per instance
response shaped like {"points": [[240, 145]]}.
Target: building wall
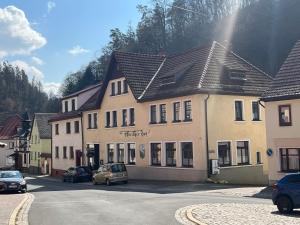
{"points": [[281, 136], [6, 151], [63, 139], [223, 127]]}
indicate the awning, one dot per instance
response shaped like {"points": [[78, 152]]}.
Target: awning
{"points": [[2, 145]]}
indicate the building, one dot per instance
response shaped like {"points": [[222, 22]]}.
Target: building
{"points": [[282, 102], [9, 126], [67, 136], [167, 117], [40, 144]]}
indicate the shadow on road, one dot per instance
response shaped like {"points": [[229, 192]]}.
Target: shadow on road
{"points": [[294, 214], [160, 187]]}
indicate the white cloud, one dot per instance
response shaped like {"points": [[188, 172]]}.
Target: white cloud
{"points": [[16, 35], [77, 50], [51, 87], [37, 60], [31, 71], [50, 6]]}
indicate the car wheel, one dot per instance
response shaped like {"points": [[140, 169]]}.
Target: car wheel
{"points": [[284, 205], [94, 182], [108, 182], [24, 190]]}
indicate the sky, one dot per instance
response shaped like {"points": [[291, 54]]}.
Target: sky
{"points": [[52, 38]]}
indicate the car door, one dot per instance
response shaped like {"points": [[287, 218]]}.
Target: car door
{"points": [[98, 175], [294, 188]]}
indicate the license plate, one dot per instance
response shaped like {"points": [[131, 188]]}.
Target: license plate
{"points": [[13, 186]]}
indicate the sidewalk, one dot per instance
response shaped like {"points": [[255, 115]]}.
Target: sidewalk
{"points": [[8, 202]]}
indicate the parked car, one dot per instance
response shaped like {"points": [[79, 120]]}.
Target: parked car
{"points": [[286, 193], [77, 174], [111, 173], [12, 181]]}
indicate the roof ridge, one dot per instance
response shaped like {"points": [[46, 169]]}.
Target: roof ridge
{"points": [[139, 54], [150, 82], [189, 50], [207, 63], [244, 60]]}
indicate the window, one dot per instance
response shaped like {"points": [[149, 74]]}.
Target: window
{"points": [[187, 154], [163, 113], [34, 156], [187, 110], [71, 152], [258, 157], [107, 119], [120, 152], [289, 159], [68, 128], [153, 114], [285, 115], [255, 111], [131, 117], [73, 105], [155, 154], [124, 117], [11, 145], [171, 154], [110, 153], [131, 153], [115, 121], [113, 89], [35, 138], [64, 152], [238, 110], [125, 86], [56, 152], [295, 179], [224, 153], [119, 83], [95, 122], [176, 112], [76, 126], [242, 152], [56, 129], [89, 121], [66, 106]]}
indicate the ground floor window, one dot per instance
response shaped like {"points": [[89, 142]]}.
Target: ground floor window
{"points": [[224, 153], [110, 153], [131, 153], [242, 152], [120, 152], [289, 159], [156, 154], [171, 154], [187, 154]]}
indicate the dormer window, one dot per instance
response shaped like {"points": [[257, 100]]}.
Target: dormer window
{"points": [[237, 75], [125, 87], [66, 106], [167, 80], [113, 89], [73, 105], [119, 83]]}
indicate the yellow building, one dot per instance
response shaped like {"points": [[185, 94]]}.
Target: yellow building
{"points": [[282, 103], [167, 117], [40, 144]]}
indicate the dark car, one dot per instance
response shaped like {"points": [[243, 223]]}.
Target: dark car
{"points": [[286, 193], [12, 181], [77, 174]]}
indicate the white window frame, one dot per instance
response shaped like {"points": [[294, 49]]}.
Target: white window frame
{"points": [[243, 110], [249, 152], [231, 149]]}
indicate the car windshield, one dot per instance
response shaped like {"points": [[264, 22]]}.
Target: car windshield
{"points": [[118, 168], [10, 174]]}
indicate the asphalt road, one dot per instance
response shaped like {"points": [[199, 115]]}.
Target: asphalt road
{"points": [[135, 203]]}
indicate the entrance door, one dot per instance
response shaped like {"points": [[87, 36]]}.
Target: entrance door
{"points": [[78, 158], [96, 156]]}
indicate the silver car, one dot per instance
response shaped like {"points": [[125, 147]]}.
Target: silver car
{"points": [[111, 173]]}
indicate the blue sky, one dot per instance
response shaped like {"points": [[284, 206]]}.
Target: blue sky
{"points": [[50, 39]]}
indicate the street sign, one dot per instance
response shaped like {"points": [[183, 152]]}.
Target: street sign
{"points": [[269, 152]]}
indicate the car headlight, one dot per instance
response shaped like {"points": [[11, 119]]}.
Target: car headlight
{"points": [[23, 182]]}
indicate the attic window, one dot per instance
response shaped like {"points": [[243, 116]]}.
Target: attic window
{"points": [[167, 80], [237, 75]]}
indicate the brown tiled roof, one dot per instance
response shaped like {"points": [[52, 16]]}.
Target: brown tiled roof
{"points": [[286, 84], [65, 116], [43, 125], [82, 91], [93, 102], [10, 126]]}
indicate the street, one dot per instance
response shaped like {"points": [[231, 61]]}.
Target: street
{"points": [[138, 202]]}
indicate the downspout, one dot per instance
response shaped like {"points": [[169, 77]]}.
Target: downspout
{"points": [[82, 140], [206, 135], [259, 102]]}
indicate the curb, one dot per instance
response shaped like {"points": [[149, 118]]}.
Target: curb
{"points": [[189, 215], [185, 216], [20, 214]]}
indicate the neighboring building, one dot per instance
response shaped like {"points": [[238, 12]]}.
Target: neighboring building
{"points": [[9, 126], [67, 132], [40, 144], [151, 114], [282, 102]]}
